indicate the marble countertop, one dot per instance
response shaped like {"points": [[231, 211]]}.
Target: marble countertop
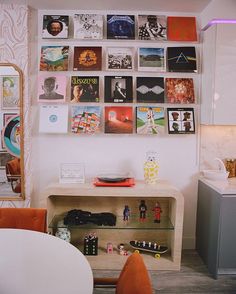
{"points": [[226, 187]]}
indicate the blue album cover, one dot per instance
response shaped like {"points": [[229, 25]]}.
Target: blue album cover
{"points": [[120, 27]]}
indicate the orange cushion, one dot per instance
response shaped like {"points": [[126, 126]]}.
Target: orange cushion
{"points": [[134, 278], [23, 218]]}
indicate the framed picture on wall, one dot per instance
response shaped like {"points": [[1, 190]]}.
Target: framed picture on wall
{"points": [[120, 58], [10, 92], [7, 116], [181, 121], [151, 59]]}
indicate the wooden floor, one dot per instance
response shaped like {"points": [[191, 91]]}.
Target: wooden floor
{"points": [[192, 278]]}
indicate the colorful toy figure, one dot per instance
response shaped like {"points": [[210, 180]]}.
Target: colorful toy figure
{"points": [[126, 213], [109, 248], [142, 210], [157, 212], [151, 168]]}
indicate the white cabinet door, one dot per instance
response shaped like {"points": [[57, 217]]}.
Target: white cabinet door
{"points": [[218, 104]]}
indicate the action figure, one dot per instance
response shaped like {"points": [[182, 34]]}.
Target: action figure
{"points": [[157, 211], [142, 210], [126, 213]]}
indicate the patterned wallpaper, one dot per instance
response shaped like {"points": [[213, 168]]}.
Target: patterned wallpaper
{"points": [[14, 49]]}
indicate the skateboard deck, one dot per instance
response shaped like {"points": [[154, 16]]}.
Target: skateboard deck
{"points": [[149, 247]]}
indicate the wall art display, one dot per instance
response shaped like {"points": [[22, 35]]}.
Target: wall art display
{"points": [[85, 119], [151, 59], [9, 92], [84, 89], [55, 26], [181, 59], [181, 120], [152, 27], [54, 58], [180, 90], [88, 26], [11, 136], [118, 89], [51, 88], [118, 120], [120, 58], [120, 27], [181, 28], [7, 116], [53, 118], [150, 120], [150, 89], [87, 58]]}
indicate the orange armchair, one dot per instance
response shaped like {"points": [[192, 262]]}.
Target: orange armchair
{"points": [[133, 279], [13, 174], [23, 218]]}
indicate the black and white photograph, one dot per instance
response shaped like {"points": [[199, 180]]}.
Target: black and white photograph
{"points": [[120, 58], [152, 27], [118, 89]]}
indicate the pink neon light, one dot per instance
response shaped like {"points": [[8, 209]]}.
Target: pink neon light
{"points": [[217, 21]]}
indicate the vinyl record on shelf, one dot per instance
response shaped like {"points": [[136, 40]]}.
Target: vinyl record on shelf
{"points": [[11, 136]]}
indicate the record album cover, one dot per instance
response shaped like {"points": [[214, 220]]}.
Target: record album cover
{"points": [[53, 118], [51, 88], [84, 89], [54, 58], [120, 26], [88, 26], [152, 27], [87, 58], [120, 58], [118, 120], [181, 28], [180, 90], [85, 119], [55, 26], [151, 59], [181, 59], [181, 120], [118, 89], [150, 89], [150, 120]]}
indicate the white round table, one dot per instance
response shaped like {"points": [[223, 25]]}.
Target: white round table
{"points": [[38, 263]]}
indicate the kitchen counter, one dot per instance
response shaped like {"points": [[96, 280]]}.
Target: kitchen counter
{"points": [[224, 187]]}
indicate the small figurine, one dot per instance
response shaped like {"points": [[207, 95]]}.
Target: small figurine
{"points": [[142, 210], [126, 213], [157, 213], [109, 248]]}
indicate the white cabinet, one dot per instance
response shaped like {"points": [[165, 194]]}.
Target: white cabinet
{"points": [[218, 102]]}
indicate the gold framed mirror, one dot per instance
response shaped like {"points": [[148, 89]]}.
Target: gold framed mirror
{"points": [[12, 140]]}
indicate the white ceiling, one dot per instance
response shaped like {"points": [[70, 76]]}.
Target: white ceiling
{"points": [[188, 6]]}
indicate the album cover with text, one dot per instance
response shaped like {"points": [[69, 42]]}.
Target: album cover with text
{"points": [[120, 27], [118, 89], [84, 89]]}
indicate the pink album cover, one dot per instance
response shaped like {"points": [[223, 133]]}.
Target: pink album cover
{"points": [[51, 88]]}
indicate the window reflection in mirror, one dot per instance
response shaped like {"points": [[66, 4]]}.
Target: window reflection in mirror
{"points": [[11, 145]]}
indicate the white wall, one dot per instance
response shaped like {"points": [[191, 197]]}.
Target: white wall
{"points": [[177, 154], [218, 9]]}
